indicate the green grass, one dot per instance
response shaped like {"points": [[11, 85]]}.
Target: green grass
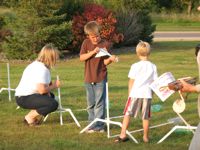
{"points": [[176, 57], [163, 26], [176, 22]]}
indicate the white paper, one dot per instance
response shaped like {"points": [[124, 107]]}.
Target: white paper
{"points": [[102, 52], [160, 86]]}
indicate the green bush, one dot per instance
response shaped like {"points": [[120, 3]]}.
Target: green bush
{"points": [[70, 8], [135, 25], [2, 22], [60, 35], [3, 32], [148, 27], [32, 30], [35, 23], [18, 47], [22, 44]]}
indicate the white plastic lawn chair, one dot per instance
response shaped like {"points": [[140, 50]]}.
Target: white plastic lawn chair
{"points": [[61, 110]]}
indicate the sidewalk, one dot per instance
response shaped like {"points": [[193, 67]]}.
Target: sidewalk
{"points": [[176, 36]]}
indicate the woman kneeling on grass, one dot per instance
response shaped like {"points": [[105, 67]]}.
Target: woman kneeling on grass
{"points": [[33, 91]]}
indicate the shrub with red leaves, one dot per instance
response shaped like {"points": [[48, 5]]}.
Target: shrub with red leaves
{"points": [[105, 18]]}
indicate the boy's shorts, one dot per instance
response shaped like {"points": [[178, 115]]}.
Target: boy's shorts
{"points": [[134, 105]]}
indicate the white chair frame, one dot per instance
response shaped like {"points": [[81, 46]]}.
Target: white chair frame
{"points": [[62, 110], [9, 89], [108, 121]]}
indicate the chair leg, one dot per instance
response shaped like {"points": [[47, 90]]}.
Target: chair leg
{"points": [[45, 118], [61, 118], [76, 121], [18, 107]]}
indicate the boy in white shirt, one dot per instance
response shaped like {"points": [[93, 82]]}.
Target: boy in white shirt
{"points": [[141, 75]]}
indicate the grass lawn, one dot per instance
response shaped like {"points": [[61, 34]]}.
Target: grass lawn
{"points": [[164, 26], [176, 22], [176, 57]]}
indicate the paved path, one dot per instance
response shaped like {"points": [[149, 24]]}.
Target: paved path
{"points": [[177, 36]]}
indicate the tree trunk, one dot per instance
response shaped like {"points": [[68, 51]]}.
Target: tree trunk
{"points": [[189, 9]]}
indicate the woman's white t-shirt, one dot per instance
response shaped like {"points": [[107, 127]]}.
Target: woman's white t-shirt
{"points": [[35, 73], [143, 73]]}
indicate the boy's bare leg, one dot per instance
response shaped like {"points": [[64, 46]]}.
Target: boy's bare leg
{"points": [[146, 130], [125, 125]]}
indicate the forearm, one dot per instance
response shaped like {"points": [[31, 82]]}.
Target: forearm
{"points": [[86, 56], [186, 87], [44, 88], [51, 87], [107, 61], [197, 88]]}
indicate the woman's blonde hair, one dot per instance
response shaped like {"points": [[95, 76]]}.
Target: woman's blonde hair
{"points": [[48, 55], [143, 49], [92, 27]]}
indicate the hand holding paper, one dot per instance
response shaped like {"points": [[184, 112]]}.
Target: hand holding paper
{"points": [[166, 85], [160, 86], [103, 52], [177, 85]]}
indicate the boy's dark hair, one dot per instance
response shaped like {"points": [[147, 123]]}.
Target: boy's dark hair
{"points": [[197, 48]]}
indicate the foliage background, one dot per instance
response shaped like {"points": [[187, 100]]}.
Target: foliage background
{"points": [[31, 24]]}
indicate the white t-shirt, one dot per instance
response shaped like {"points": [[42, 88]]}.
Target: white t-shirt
{"points": [[34, 73], [143, 73]]}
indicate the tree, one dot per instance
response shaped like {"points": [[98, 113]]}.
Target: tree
{"points": [[34, 24], [22, 45], [3, 32], [175, 5], [189, 4]]}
